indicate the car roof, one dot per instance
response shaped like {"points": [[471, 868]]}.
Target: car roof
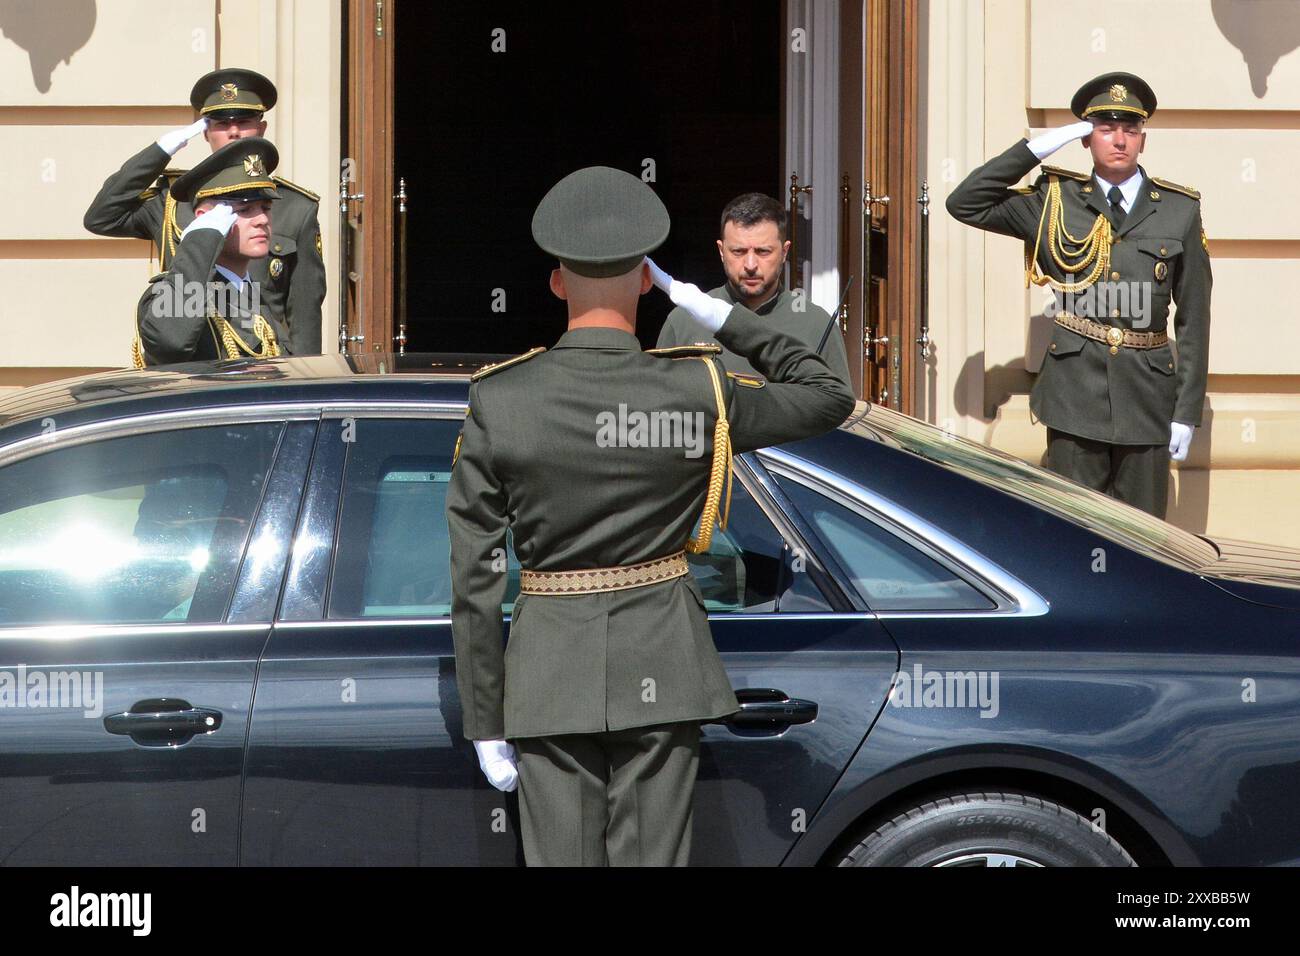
{"points": [[427, 376]]}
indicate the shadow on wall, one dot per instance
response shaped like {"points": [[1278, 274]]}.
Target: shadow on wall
{"points": [[1263, 30], [49, 30]]}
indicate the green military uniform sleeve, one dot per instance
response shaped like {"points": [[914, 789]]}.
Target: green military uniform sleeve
{"points": [[167, 333], [670, 334], [802, 396], [118, 210], [306, 289], [1191, 293], [477, 522], [985, 200]]}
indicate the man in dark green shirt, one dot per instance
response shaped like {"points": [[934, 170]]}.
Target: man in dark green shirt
{"points": [[753, 249]]}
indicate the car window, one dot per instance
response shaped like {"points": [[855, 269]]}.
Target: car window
{"points": [[393, 556], [890, 573], [139, 529], [745, 569]]}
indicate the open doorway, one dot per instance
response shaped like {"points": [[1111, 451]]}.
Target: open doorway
{"points": [[493, 103]]}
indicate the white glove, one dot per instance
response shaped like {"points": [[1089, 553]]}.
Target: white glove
{"points": [[1180, 439], [496, 758], [1046, 144], [705, 309], [220, 218], [171, 142]]}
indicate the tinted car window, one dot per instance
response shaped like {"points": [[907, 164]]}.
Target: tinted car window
{"points": [[139, 529], [889, 573], [745, 569], [393, 556]]}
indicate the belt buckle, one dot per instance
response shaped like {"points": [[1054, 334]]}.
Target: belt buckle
{"points": [[1114, 338]]}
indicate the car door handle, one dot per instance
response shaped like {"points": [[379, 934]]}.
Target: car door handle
{"points": [[765, 711], [163, 722]]}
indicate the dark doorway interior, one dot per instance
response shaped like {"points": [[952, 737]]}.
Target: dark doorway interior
{"points": [[693, 85]]}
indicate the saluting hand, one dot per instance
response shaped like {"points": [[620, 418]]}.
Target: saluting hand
{"points": [[705, 309], [220, 217], [1046, 144], [171, 142]]}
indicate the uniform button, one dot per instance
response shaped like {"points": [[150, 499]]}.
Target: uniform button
{"points": [[1171, 364], [1114, 276], [1114, 314], [1164, 251], [1052, 346], [277, 247]]}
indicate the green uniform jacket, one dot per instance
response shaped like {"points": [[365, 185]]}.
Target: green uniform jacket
{"points": [[532, 460], [172, 329], [807, 326], [1131, 397], [292, 276]]}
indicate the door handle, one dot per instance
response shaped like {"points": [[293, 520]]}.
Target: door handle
{"points": [[163, 722], [767, 712]]}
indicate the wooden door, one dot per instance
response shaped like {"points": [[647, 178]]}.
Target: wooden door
{"points": [[890, 213], [366, 186]]}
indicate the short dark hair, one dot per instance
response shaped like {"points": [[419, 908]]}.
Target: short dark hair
{"points": [[749, 209]]}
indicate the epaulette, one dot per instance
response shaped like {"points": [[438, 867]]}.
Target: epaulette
{"points": [[687, 351], [498, 366], [169, 174], [744, 378], [1185, 190], [280, 181], [1067, 173]]}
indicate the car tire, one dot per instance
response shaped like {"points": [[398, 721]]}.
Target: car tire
{"points": [[987, 829]]}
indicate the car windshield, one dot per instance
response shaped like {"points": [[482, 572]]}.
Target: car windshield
{"points": [[1106, 516]]}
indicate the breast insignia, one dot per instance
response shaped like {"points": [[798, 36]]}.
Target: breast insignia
{"points": [[1185, 190], [687, 351], [498, 366]]}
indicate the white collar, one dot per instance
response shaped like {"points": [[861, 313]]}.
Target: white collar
{"points": [[237, 281], [1129, 187]]}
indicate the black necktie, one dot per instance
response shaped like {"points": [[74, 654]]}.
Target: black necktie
{"points": [[1117, 213]]}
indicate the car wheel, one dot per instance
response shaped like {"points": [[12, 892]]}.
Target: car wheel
{"points": [[987, 829]]}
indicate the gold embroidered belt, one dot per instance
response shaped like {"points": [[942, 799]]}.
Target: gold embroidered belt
{"points": [[1112, 336], [591, 580]]}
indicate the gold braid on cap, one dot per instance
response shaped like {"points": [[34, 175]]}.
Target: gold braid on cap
{"points": [[720, 473], [1070, 254]]}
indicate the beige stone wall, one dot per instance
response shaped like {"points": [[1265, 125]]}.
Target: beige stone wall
{"points": [[1227, 76], [84, 84]]}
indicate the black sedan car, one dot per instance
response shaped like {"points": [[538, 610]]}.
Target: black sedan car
{"points": [[224, 639]]}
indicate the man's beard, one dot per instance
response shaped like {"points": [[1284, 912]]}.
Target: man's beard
{"points": [[762, 294]]}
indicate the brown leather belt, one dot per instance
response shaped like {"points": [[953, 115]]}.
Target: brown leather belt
{"points": [[592, 580], [1110, 335]]}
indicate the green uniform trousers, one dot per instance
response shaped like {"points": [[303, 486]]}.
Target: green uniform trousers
{"points": [[615, 798], [1136, 474]]}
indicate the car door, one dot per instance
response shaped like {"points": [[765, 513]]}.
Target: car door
{"points": [[811, 672], [125, 683], [356, 754]]}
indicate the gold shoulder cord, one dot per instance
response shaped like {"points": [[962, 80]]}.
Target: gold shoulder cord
{"points": [[171, 232], [1070, 254], [234, 344], [720, 473]]}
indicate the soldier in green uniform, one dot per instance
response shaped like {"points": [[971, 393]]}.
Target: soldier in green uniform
{"points": [[1118, 247], [594, 707], [138, 202], [206, 305], [753, 249]]}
